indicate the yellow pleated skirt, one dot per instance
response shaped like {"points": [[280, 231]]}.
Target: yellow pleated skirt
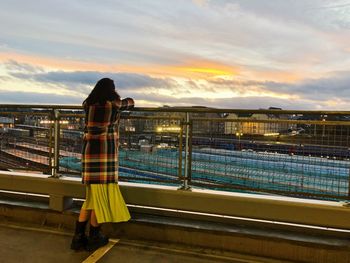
{"points": [[107, 201]]}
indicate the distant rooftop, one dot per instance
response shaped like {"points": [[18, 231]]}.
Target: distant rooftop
{"points": [[6, 120]]}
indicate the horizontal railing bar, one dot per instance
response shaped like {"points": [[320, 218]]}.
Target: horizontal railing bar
{"points": [[80, 115], [148, 180], [219, 110], [270, 191], [41, 106], [184, 109], [345, 123], [153, 117], [20, 113]]}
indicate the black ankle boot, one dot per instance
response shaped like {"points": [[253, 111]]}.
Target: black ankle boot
{"points": [[96, 239], [79, 240]]}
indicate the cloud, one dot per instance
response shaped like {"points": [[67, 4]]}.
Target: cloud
{"points": [[122, 80], [155, 100], [261, 38], [215, 92], [77, 83], [249, 33], [200, 2], [14, 66], [335, 86], [35, 97]]}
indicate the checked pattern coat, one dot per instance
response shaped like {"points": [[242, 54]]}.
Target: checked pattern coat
{"points": [[101, 141]]}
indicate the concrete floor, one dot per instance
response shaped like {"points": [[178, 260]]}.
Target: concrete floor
{"points": [[25, 244]]}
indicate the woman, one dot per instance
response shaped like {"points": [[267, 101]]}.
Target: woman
{"points": [[104, 202]]}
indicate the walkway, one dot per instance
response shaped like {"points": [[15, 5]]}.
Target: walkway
{"points": [[19, 243]]}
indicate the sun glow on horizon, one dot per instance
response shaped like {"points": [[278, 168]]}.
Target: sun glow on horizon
{"points": [[193, 79], [195, 70], [208, 71]]}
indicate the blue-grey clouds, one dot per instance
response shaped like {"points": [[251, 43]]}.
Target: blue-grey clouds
{"points": [[308, 94], [19, 97], [122, 80]]}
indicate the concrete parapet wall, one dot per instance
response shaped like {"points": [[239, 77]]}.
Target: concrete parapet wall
{"points": [[256, 207]]}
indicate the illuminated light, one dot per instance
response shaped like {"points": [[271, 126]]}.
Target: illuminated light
{"points": [[271, 134], [131, 129], [168, 129], [239, 134], [51, 122], [162, 145], [46, 122]]}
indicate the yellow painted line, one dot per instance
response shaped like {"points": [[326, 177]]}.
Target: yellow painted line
{"points": [[99, 253]]}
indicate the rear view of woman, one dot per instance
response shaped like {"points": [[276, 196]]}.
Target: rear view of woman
{"points": [[104, 202]]}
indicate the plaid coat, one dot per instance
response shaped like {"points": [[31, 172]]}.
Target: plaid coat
{"points": [[101, 141]]}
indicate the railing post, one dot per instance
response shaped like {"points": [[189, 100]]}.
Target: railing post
{"points": [[188, 153], [50, 151], [349, 187], [179, 173], [56, 153]]}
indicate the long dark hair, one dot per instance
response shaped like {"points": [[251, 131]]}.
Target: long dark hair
{"points": [[103, 91]]}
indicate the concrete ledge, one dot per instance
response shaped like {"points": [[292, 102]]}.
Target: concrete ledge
{"points": [[260, 207]]}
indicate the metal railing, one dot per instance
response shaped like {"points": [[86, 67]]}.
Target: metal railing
{"points": [[289, 153]]}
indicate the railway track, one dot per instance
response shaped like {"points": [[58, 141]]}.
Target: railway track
{"points": [[10, 163]]}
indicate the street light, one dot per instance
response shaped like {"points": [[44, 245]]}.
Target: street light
{"points": [[239, 134]]}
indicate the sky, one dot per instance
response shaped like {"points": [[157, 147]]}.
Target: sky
{"points": [[240, 54]]}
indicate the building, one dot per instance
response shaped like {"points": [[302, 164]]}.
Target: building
{"points": [[6, 122], [257, 123]]}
